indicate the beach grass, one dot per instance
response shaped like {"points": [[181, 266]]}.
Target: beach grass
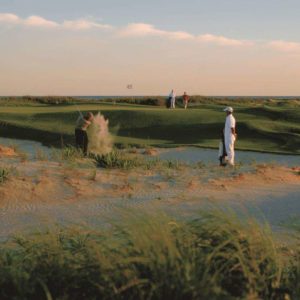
{"points": [[4, 174], [152, 256]]}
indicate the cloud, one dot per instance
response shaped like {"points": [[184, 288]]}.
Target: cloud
{"points": [[223, 41], [34, 21], [40, 22], [83, 24], [131, 30], [284, 46], [139, 30], [143, 30], [37, 21], [9, 19]]}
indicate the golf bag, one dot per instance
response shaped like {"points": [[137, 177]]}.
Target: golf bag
{"points": [[222, 151]]}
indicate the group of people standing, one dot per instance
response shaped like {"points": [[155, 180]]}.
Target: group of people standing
{"points": [[172, 100], [226, 147]]}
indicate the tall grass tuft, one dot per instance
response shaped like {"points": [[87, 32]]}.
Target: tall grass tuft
{"points": [[71, 153], [117, 159], [4, 174], [291, 277], [121, 160], [67, 153], [240, 256], [41, 155], [216, 256]]}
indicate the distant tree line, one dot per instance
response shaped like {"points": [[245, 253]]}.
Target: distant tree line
{"points": [[153, 100]]}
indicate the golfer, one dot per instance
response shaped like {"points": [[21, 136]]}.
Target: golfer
{"points": [[229, 135], [172, 98], [185, 99], [81, 137]]}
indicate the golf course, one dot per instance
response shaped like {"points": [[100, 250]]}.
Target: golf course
{"points": [[135, 222], [262, 125], [150, 150]]}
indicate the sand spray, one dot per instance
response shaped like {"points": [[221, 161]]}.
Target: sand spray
{"points": [[100, 139]]}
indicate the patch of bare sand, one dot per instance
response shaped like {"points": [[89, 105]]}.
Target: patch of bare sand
{"points": [[104, 184], [84, 188], [50, 182], [262, 177], [151, 152], [160, 185], [75, 193], [249, 186], [22, 193], [34, 183], [6, 151]]}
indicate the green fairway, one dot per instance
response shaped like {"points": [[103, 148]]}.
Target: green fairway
{"points": [[260, 127]]}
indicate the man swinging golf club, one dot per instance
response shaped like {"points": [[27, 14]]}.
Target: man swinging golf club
{"points": [[230, 135], [81, 137]]}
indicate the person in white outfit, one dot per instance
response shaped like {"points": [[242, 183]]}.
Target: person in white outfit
{"points": [[172, 97], [230, 135]]}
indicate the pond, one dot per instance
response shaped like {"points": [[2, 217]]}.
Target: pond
{"points": [[185, 154], [193, 155], [26, 146]]}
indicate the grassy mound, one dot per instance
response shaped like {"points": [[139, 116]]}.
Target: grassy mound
{"points": [[216, 256]]}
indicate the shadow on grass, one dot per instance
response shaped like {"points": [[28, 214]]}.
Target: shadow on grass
{"points": [[200, 133], [272, 114], [47, 138]]}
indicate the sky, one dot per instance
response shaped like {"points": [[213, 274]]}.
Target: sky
{"points": [[98, 47]]}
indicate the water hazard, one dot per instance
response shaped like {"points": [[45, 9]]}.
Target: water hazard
{"points": [[185, 154]]}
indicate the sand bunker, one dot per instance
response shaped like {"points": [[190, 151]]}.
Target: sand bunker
{"points": [[65, 193]]}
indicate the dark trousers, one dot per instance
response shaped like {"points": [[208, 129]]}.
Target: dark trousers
{"points": [[81, 140], [168, 102]]}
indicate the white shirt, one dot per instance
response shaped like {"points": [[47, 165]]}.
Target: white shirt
{"points": [[172, 95], [229, 123]]}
